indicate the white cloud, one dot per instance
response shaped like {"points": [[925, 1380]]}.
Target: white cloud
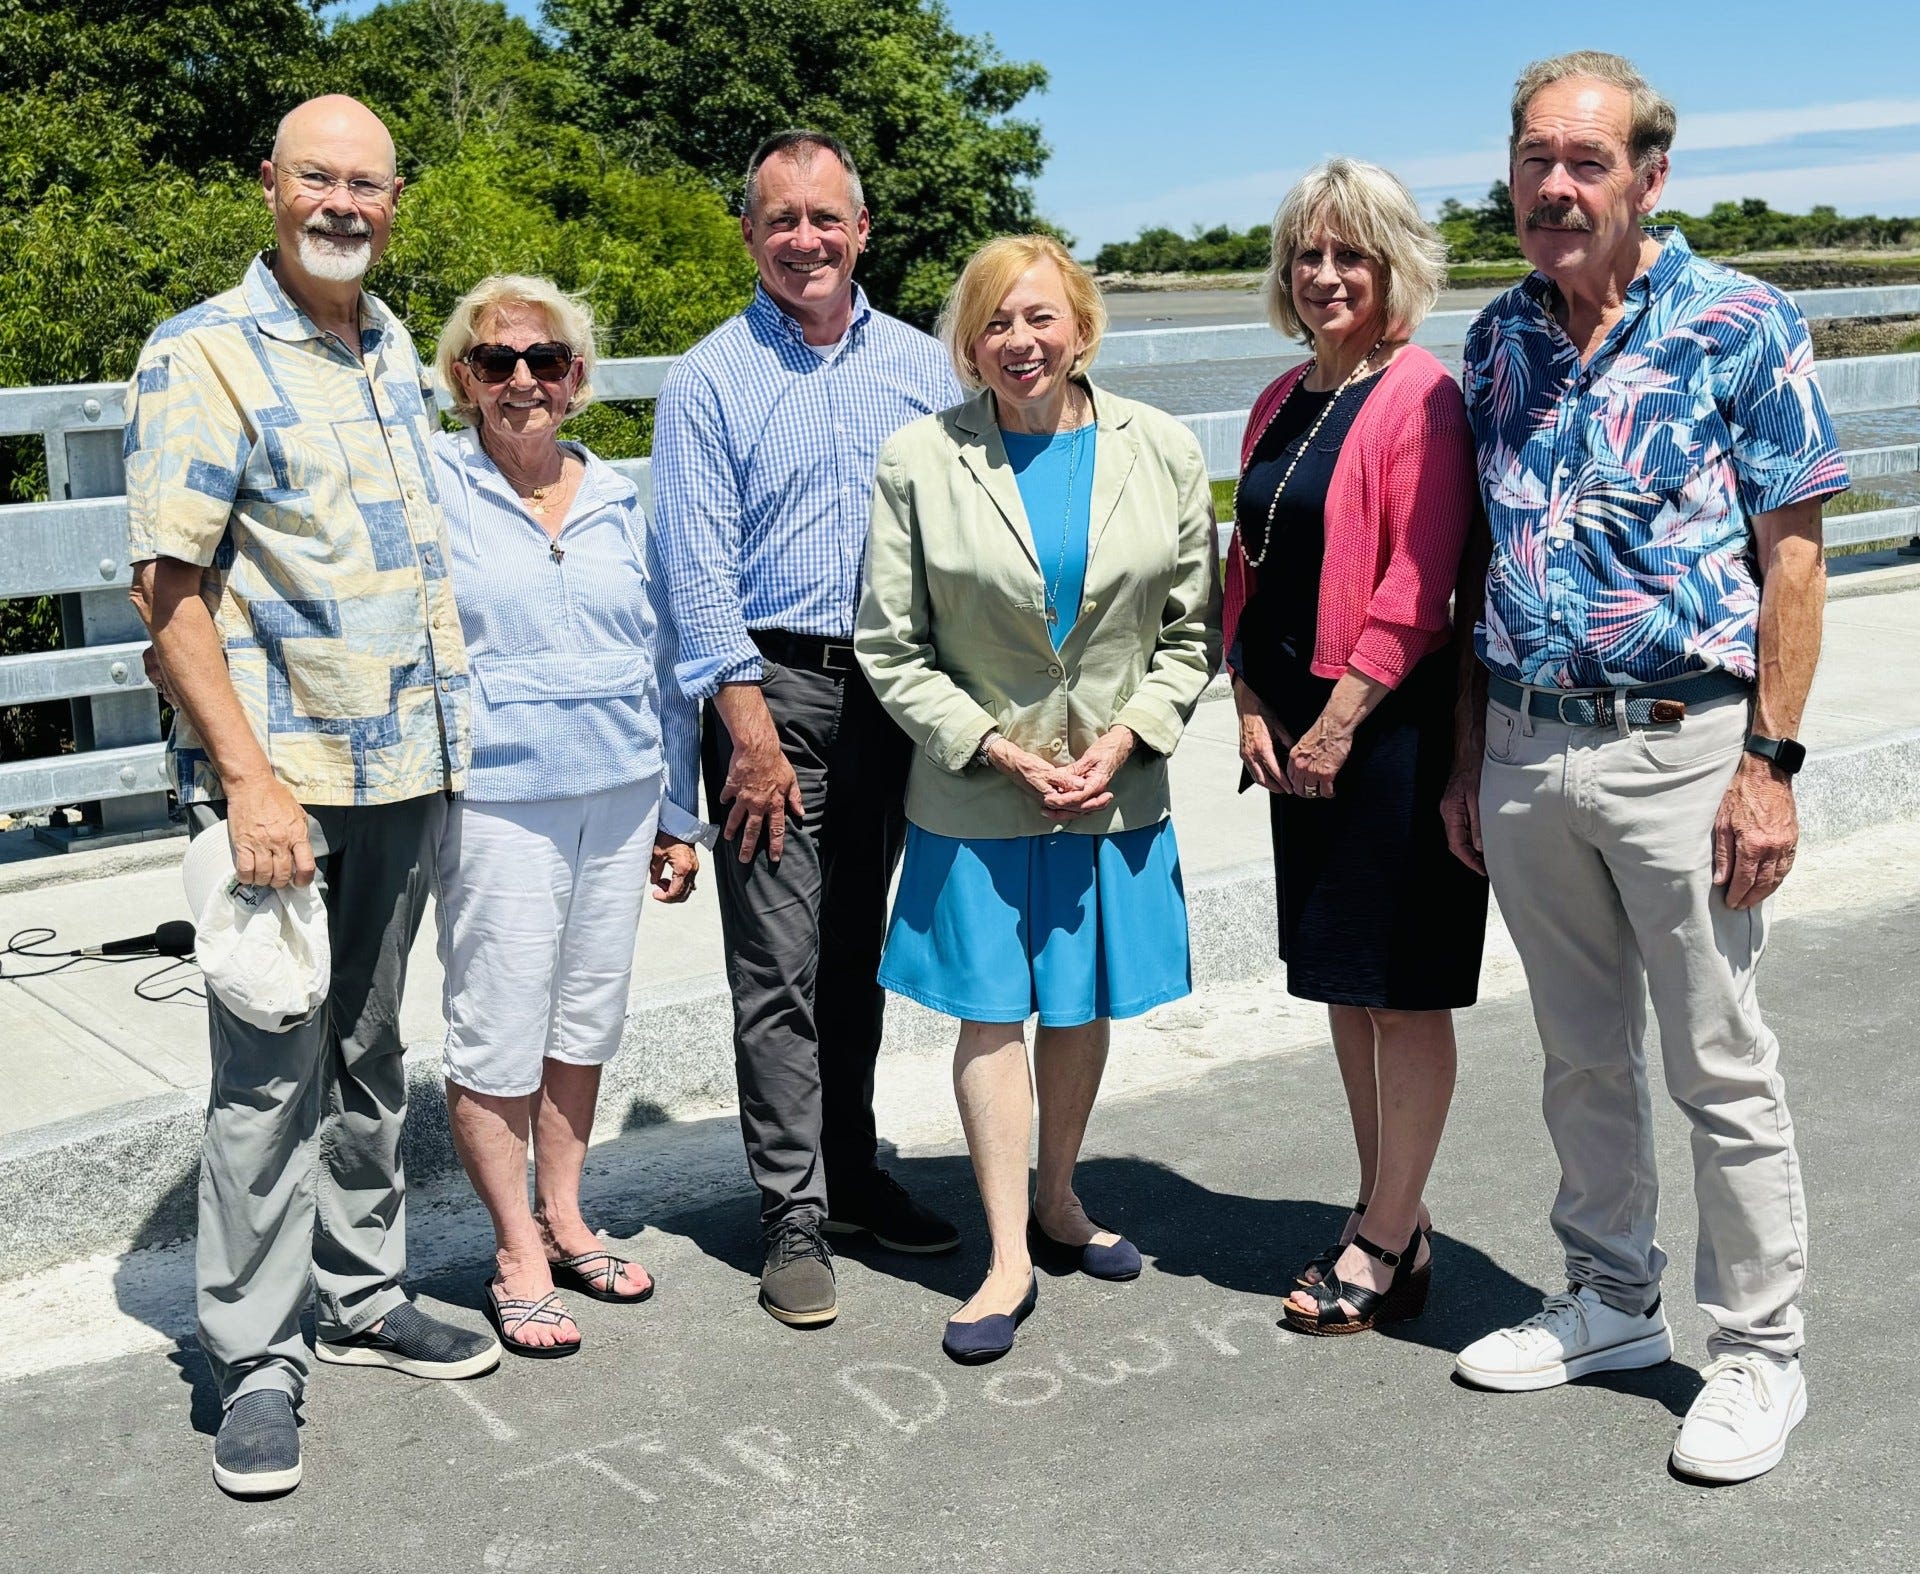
{"points": [[1749, 128], [1887, 184]]}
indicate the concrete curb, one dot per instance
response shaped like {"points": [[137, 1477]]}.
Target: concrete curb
{"points": [[125, 1178]]}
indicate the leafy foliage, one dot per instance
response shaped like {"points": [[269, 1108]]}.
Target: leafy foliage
{"points": [[1161, 250], [926, 111]]}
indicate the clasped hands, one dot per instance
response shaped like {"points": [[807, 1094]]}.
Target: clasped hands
{"points": [[1309, 765], [1066, 792]]}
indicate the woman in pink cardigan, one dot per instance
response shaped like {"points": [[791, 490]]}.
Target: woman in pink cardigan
{"points": [[1357, 489]]}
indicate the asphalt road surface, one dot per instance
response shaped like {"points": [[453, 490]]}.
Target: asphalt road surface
{"points": [[1165, 1424]]}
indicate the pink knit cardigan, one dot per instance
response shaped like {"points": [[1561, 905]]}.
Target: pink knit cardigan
{"points": [[1402, 496]]}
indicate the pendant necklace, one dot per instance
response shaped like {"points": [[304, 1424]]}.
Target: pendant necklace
{"points": [[1066, 525], [1266, 541]]}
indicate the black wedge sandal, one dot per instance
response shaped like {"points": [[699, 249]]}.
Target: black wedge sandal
{"points": [[1404, 1298], [1322, 1262]]}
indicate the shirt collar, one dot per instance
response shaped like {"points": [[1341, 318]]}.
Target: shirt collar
{"points": [[1675, 255], [766, 312], [600, 485], [277, 317]]}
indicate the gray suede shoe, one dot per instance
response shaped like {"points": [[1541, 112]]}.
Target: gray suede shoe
{"points": [[257, 1453], [796, 1283]]}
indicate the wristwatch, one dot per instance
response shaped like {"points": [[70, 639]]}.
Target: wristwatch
{"points": [[1789, 754], [981, 756]]}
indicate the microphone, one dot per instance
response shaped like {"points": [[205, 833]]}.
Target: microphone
{"points": [[173, 938]]}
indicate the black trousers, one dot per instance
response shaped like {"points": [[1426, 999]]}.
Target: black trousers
{"points": [[803, 935]]}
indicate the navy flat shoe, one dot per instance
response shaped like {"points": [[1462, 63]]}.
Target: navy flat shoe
{"points": [[989, 1338], [1119, 1261]]}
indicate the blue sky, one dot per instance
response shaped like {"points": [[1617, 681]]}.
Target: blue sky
{"points": [[1203, 111]]}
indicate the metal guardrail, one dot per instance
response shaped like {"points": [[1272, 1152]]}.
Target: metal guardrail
{"points": [[75, 547]]}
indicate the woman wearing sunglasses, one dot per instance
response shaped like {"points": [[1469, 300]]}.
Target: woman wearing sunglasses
{"points": [[580, 796]]}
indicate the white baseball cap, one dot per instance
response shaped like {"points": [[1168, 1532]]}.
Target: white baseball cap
{"points": [[263, 951]]}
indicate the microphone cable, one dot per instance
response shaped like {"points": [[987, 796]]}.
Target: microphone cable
{"points": [[30, 941]]}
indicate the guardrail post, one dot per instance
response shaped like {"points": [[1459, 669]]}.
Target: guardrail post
{"points": [[88, 464]]}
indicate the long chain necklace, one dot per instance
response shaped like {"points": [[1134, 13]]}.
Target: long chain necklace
{"points": [[1266, 541], [1066, 524]]}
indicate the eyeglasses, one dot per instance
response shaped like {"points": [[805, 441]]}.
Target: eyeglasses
{"points": [[319, 185], [495, 363]]}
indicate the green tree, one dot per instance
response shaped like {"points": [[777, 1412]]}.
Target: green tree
{"points": [[198, 84], [926, 110]]}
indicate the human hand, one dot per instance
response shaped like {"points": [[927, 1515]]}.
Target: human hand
{"points": [[1261, 740], [672, 868], [1756, 833], [156, 674], [1460, 809], [1082, 788], [1315, 760], [1040, 777], [268, 832], [761, 788]]}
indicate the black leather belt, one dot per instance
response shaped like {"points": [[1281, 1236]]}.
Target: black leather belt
{"points": [[1647, 703], [805, 650]]}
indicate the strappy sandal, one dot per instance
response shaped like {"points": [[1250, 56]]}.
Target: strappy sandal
{"points": [[509, 1314], [1404, 1298], [1322, 1262], [594, 1274]]}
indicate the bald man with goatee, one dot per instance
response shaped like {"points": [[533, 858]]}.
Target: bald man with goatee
{"points": [[290, 561]]}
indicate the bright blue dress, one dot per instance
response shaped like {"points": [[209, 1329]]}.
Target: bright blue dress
{"points": [[1071, 927]]}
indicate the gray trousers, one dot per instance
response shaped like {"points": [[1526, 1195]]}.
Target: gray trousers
{"points": [[803, 936], [300, 1176], [1600, 844]]}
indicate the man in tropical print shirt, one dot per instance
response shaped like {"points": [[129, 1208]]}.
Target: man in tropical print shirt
{"points": [[1654, 453]]}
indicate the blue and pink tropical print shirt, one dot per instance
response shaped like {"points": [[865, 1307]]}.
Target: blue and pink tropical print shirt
{"points": [[1620, 493]]}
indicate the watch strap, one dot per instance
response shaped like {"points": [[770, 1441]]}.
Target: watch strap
{"points": [[1789, 754]]}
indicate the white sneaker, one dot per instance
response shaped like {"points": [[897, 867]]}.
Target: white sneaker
{"points": [[1573, 1333], [1738, 1424]]}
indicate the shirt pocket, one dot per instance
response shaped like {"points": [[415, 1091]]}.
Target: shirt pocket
{"points": [[573, 675]]}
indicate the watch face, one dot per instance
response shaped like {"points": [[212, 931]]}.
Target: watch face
{"points": [[1787, 753]]}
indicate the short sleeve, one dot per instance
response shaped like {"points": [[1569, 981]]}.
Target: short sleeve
{"points": [[186, 447], [1784, 447]]}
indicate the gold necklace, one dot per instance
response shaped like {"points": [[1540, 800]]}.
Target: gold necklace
{"points": [[1266, 542]]}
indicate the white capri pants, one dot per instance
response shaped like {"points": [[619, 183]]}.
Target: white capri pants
{"points": [[539, 903]]}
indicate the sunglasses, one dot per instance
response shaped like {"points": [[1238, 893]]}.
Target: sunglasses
{"points": [[494, 363]]}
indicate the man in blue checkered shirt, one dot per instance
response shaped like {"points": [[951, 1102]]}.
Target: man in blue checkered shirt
{"points": [[765, 442]]}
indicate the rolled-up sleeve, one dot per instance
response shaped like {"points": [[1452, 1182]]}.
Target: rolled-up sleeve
{"points": [[1186, 652], [696, 501], [893, 635], [186, 448]]}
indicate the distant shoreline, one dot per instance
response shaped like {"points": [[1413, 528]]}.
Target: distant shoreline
{"points": [[1801, 270]]}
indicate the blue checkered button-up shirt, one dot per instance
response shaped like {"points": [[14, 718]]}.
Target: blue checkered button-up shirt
{"points": [[297, 474], [763, 461]]}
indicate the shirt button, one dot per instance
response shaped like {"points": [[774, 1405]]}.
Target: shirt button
{"points": [[1556, 617]]}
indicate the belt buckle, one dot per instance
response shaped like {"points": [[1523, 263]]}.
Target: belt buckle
{"points": [[1560, 707], [833, 658]]}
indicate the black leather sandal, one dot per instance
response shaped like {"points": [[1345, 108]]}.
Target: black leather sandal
{"points": [[1322, 1262], [1404, 1298]]}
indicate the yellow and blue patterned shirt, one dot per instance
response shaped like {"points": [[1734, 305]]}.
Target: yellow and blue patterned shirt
{"points": [[299, 476]]}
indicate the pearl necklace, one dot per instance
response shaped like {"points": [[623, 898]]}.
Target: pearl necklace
{"points": [[1266, 543]]}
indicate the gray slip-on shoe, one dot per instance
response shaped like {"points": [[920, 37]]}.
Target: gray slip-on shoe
{"points": [[410, 1341], [257, 1453]]}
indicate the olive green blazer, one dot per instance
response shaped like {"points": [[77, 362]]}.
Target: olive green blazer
{"points": [[952, 630]]}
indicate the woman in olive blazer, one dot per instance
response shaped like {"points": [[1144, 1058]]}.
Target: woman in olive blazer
{"points": [[1040, 615]]}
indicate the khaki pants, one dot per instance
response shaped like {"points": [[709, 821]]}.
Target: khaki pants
{"points": [[1600, 844], [300, 1177]]}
